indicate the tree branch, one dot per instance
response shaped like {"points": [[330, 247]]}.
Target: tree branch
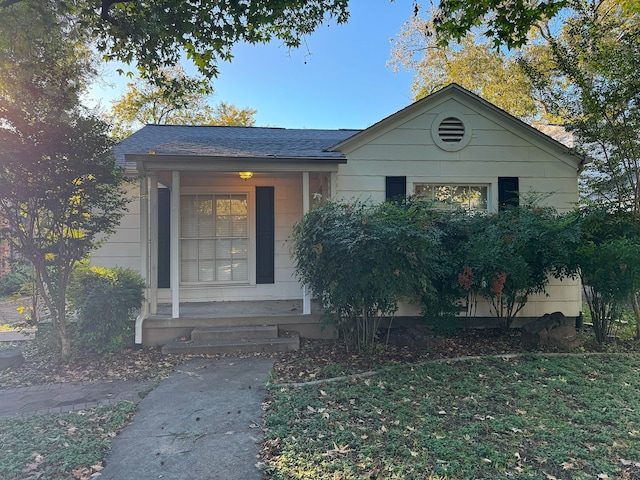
{"points": [[104, 12]]}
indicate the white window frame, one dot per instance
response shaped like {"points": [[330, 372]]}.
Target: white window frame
{"points": [[251, 246]]}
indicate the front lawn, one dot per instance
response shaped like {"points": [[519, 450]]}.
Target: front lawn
{"points": [[61, 446], [541, 417]]}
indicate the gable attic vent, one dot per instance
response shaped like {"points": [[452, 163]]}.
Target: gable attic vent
{"points": [[451, 130]]}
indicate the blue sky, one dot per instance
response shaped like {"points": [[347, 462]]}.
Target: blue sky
{"points": [[339, 79]]}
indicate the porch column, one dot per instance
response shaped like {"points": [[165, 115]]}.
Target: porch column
{"points": [[175, 244], [306, 293], [144, 243], [153, 244]]}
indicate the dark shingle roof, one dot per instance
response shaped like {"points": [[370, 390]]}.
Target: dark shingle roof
{"points": [[232, 142]]}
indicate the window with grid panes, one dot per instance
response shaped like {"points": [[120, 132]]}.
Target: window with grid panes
{"points": [[449, 197], [214, 238]]}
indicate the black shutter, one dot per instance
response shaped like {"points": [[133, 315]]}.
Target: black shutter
{"points": [[508, 188], [265, 234], [164, 238], [396, 188]]}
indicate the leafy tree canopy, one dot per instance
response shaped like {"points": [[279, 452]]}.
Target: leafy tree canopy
{"points": [[591, 83], [471, 62], [146, 102], [506, 22], [156, 34], [60, 192]]}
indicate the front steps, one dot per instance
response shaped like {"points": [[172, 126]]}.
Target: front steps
{"points": [[233, 340]]}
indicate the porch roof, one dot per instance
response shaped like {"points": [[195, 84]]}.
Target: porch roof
{"points": [[260, 143]]}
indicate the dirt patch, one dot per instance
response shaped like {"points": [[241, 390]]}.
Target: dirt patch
{"points": [[318, 359]]}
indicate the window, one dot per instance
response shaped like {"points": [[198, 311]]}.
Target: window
{"points": [[214, 238], [449, 197]]}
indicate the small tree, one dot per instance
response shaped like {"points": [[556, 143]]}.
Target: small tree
{"points": [[60, 192], [59, 199], [608, 260], [361, 260], [511, 256]]}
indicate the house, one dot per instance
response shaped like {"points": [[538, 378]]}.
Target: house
{"points": [[210, 219]]}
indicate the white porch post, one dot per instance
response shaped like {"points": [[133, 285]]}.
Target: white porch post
{"points": [[153, 244], [144, 256], [306, 294], [175, 244], [144, 240]]}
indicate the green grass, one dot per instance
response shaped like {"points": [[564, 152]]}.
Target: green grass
{"points": [[62, 446], [534, 417]]}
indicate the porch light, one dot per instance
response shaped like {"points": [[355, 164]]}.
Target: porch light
{"points": [[245, 175]]}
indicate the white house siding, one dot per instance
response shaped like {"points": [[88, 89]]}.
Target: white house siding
{"points": [[288, 210], [407, 149], [122, 249]]}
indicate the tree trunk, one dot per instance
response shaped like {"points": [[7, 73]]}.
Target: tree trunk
{"points": [[636, 312]]}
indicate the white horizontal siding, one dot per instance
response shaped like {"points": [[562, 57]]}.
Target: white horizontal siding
{"points": [[122, 249]]}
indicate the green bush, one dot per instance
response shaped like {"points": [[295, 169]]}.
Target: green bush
{"points": [[106, 302], [361, 260], [14, 281], [511, 256]]}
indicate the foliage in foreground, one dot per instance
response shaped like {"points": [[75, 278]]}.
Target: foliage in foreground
{"points": [[59, 446], [609, 265], [106, 301], [60, 190], [360, 260], [533, 417], [152, 35]]}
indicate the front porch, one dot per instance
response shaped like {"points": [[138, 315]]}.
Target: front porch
{"points": [[285, 315]]}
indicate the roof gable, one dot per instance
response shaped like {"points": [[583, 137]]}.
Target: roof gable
{"points": [[434, 105]]}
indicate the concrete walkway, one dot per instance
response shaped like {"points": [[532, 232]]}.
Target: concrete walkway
{"points": [[203, 422], [69, 397]]}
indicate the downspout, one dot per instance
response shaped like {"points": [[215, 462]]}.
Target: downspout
{"points": [[138, 330]]}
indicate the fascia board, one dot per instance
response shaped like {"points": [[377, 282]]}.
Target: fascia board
{"points": [[157, 162]]}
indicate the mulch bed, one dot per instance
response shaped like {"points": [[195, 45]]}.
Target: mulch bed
{"points": [[316, 359]]}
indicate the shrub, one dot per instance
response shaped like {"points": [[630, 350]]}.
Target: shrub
{"points": [[14, 282], [106, 302], [512, 255], [609, 264], [361, 260]]}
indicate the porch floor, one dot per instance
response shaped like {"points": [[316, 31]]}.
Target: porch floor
{"points": [[231, 309]]}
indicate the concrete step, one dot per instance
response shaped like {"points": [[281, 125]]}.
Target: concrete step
{"points": [[233, 346], [235, 332]]}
